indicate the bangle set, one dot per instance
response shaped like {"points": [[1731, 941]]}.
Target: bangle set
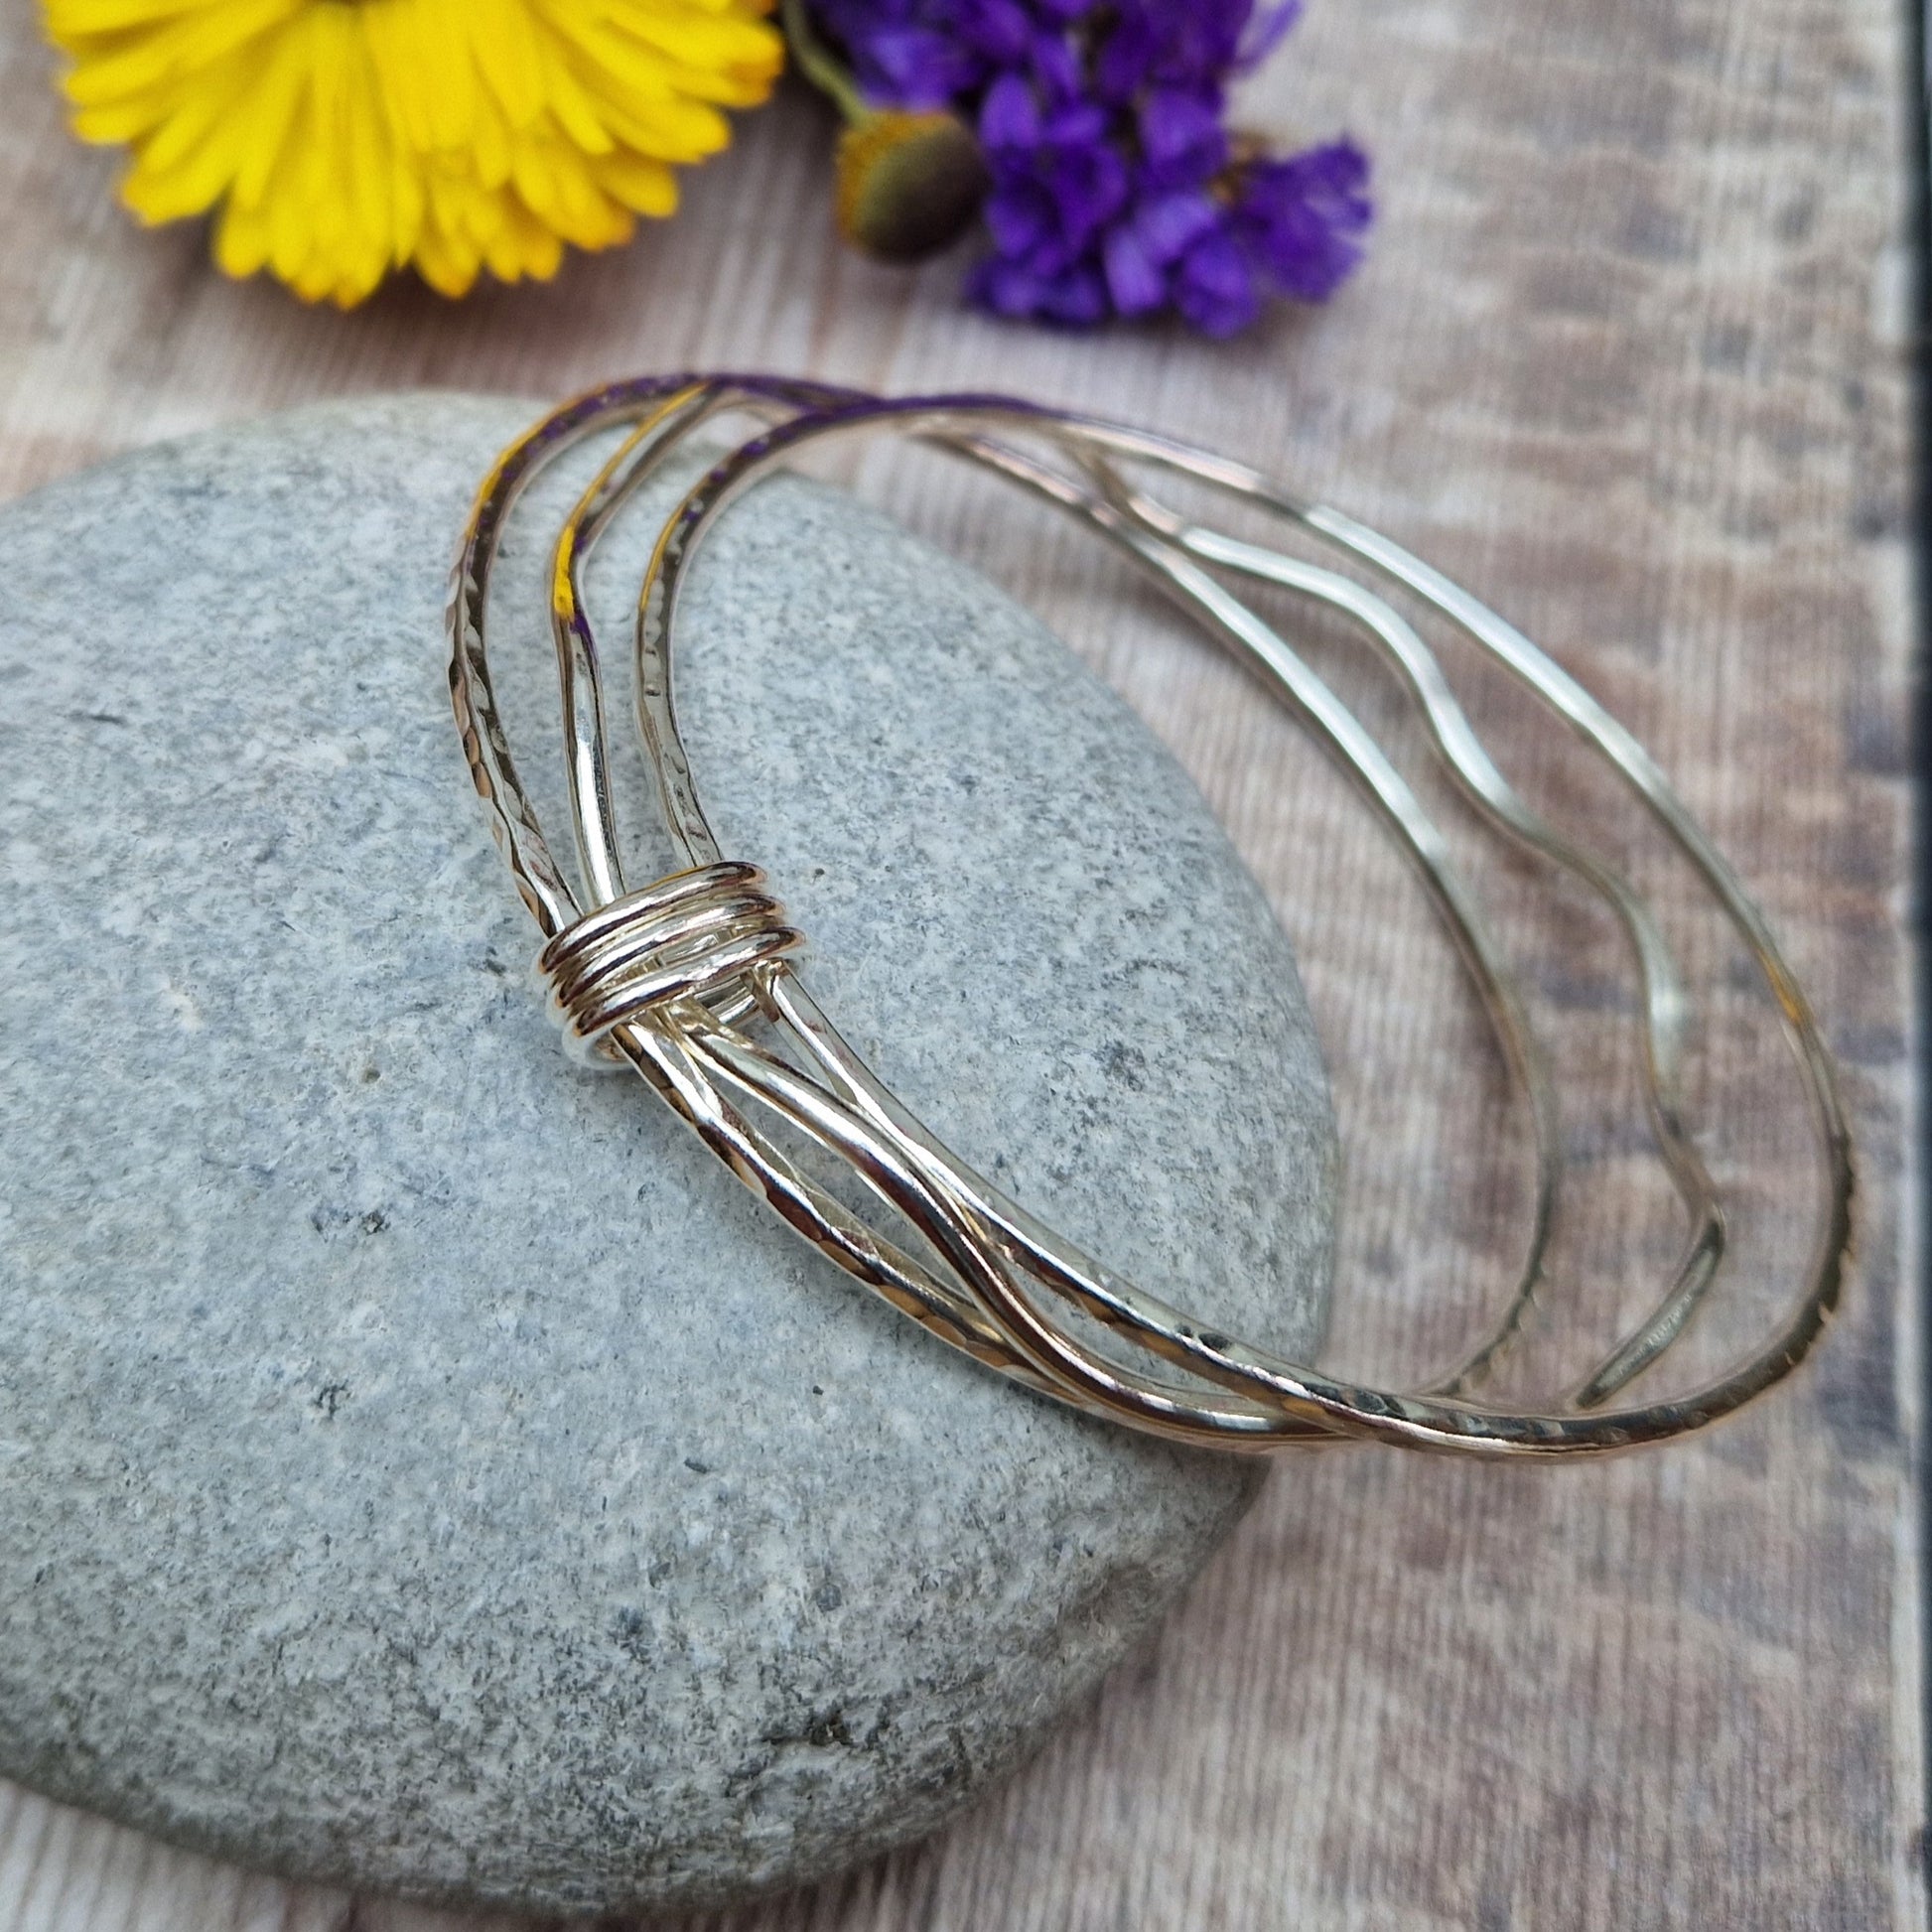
{"points": [[691, 980]]}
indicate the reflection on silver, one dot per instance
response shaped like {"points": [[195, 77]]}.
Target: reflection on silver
{"points": [[664, 977]]}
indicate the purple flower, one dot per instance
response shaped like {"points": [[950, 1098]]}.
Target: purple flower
{"points": [[1191, 44], [1302, 220], [1116, 189], [1264, 33], [1294, 228], [1141, 253], [1181, 139], [1215, 286], [917, 68]]}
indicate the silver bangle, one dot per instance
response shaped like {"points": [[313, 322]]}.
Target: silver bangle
{"points": [[661, 978]]}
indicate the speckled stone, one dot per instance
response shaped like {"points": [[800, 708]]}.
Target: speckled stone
{"points": [[420, 1465]]}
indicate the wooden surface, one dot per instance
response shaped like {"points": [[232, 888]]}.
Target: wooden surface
{"points": [[1629, 360]]}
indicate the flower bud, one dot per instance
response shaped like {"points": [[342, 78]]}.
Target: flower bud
{"points": [[907, 184]]}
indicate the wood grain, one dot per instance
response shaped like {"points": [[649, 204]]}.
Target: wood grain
{"points": [[1629, 359]]}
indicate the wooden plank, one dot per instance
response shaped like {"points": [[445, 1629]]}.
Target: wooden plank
{"points": [[1631, 360]]}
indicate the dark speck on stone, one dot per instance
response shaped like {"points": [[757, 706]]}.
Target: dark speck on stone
{"points": [[827, 1729], [696, 1467], [631, 1634]]}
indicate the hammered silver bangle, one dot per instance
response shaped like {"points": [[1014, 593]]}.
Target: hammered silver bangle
{"points": [[673, 977]]}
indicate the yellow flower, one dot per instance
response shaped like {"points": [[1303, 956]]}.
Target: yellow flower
{"points": [[340, 139]]}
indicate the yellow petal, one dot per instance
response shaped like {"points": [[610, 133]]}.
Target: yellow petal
{"points": [[647, 186], [336, 140], [240, 241]]}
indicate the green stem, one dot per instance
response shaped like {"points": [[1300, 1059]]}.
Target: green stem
{"points": [[814, 61]]}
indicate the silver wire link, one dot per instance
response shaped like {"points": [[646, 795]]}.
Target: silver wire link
{"points": [[662, 978], [694, 935]]}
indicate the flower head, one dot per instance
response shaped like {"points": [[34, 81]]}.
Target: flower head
{"points": [[340, 139], [908, 182], [1116, 185]]}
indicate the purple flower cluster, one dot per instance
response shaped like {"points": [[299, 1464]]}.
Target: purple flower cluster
{"points": [[1117, 188]]}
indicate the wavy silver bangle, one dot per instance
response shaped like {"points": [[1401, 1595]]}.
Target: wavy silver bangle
{"points": [[662, 977]]}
